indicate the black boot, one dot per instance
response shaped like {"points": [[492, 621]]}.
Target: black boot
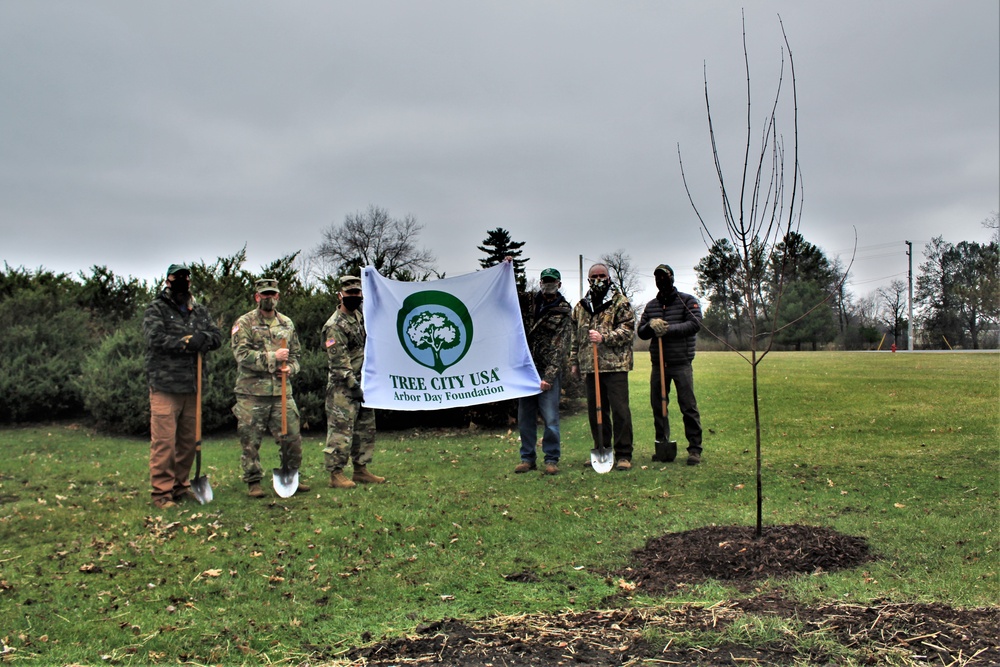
{"points": [[666, 452]]}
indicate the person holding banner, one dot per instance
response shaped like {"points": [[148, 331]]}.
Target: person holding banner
{"points": [[674, 319], [604, 319], [548, 328], [265, 345], [350, 427]]}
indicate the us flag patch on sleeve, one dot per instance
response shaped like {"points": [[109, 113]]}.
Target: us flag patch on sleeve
{"points": [[330, 342], [236, 327]]}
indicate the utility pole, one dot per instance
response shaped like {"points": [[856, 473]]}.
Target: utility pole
{"points": [[581, 277], [909, 300]]}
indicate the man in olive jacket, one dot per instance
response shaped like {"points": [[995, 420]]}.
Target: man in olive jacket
{"points": [[675, 318], [604, 318], [176, 330]]}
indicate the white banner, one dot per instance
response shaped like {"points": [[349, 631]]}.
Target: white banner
{"points": [[445, 343]]}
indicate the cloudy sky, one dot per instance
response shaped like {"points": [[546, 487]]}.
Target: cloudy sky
{"points": [[134, 135]]}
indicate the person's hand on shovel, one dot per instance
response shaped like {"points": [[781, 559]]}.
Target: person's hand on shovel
{"points": [[595, 336], [281, 354]]}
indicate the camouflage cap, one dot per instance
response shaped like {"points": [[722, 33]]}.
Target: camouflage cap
{"points": [[551, 273], [664, 268], [350, 282], [177, 268], [266, 285]]}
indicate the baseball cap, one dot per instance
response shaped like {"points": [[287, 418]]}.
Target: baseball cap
{"points": [[266, 285], [350, 282], [665, 269], [551, 273], [178, 268]]}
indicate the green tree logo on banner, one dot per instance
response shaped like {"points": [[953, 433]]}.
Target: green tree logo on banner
{"points": [[435, 329]]}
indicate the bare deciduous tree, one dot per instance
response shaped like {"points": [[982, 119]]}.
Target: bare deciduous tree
{"points": [[623, 273], [374, 238], [892, 302]]}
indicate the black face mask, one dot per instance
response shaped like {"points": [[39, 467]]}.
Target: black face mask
{"points": [[664, 283], [180, 284], [352, 303]]}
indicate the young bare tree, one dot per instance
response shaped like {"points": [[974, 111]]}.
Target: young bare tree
{"points": [[761, 212], [374, 238]]}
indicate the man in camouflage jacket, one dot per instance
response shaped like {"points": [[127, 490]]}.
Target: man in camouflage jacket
{"points": [[548, 328], [604, 318], [350, 427], [265, 346], [673, 318], [176, 330]]}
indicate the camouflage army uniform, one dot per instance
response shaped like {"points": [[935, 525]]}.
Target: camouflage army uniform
{"points": [[350, 430], [171, 369], [258, 389], [615, 320]]}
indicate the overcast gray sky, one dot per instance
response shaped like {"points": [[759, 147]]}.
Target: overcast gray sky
{"points": [[137, 134]]}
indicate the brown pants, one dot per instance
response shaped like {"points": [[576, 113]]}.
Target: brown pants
{"points": [[172, 443]]}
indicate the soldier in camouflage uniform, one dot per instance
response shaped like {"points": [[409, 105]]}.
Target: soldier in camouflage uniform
{"points": [[604, 316], [176, 331], [548, 328], [265, 345], [350, 428]]}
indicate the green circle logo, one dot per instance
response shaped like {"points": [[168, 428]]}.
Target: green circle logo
{"points": [[435, 329]]}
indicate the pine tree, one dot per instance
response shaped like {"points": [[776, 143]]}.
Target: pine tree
{"points": [[497, 246]]}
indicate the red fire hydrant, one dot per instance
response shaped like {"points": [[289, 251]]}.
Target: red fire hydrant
{"points": [[893, 347]]}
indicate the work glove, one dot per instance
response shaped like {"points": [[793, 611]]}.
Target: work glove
{"points": [[659, 327], [198, 342], [356, 394]]}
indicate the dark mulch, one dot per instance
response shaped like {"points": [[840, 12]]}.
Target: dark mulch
{"points": [[876, 634], [732, 554]]}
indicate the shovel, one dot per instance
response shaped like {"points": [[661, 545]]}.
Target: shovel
{"points": [[601, 458], [286, 480], [200, 487], [671, 445]]}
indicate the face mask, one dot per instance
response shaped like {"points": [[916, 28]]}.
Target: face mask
{"points": [[664, 283], [599, 285], [352, 303], [180, 285], [268, 302], [549, 289]]}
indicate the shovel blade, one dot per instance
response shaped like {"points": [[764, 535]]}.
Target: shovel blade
{"points": [[201, 489], [286, 482], [602, 459]]}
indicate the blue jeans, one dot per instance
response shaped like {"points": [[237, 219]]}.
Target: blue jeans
{"points": [[528, 409]]}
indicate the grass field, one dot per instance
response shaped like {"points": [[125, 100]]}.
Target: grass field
{"points": [[899, 448]]}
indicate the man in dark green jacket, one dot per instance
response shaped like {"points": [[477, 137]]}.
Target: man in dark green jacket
{"points": [[177, 330], [549, 330]]}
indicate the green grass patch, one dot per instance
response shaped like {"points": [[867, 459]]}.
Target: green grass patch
{"points": [[899, 448]]}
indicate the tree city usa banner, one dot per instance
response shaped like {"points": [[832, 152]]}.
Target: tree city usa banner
{"points": [[445, 343]]}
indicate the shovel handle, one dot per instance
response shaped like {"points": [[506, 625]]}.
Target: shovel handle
{"points": [[284, 392], [597, 387], [663, 379], [197, 407]]}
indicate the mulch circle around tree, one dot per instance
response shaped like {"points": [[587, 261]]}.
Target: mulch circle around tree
{"points": [[734, 555], [878, 633]]}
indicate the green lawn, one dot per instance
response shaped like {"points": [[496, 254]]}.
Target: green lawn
{"points": [[900, 448]]}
